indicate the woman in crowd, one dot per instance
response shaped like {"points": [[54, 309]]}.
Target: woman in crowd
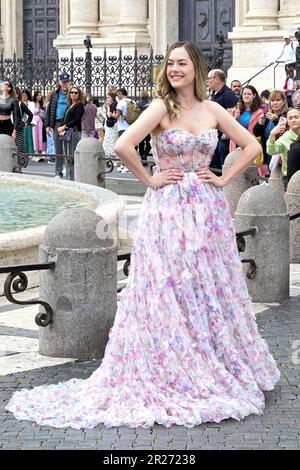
{"points": [[39, 131], [248, 110], [282, 144], [9, 108], [26, 119], [28, 134], [49, 136], [89, 118], [111, 131], [70, 131], [277, 108]]}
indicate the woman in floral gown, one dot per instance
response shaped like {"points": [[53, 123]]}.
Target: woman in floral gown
{"points": [[184, 348]]}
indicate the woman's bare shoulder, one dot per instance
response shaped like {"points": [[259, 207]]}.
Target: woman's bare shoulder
{"points": [[159, 104]]}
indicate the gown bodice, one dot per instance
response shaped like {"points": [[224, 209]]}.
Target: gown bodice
{"points": [[177, 148]]}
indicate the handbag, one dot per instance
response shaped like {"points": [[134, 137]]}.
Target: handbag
{"points": [[260, 158], [43, 115], [67, 135], [110, 122]]}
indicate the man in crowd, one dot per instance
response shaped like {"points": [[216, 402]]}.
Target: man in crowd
{"points": [[120, 114], [288, 53], [224, 96], [236, 87], [55, 111]]}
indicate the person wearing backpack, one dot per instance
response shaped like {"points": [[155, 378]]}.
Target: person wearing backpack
{"points": [[288, 53], [144, 145], [119, 115]]}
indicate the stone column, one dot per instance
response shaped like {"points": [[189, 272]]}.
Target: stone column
{"points": [[257, 23], [133, 16], [63, 16], [82, 290], [12, 27], [264, 207], [262, 15], [84, 17], [289, 15], [109, 18], [131, 29], [7, 147], [164, 24]]}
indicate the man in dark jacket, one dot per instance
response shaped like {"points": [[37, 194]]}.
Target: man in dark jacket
{"points": [[56, 110], [224, 96]]}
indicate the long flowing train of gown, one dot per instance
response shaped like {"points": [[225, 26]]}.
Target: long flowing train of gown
{"points": [[184, 348]]}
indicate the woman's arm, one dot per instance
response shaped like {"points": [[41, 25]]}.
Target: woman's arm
{"points": [[27, 111], [125, 146], [250, 147], [16, 115]]}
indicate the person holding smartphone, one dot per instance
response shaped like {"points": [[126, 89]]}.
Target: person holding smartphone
{"points": [[287, 138], [278, 108]]}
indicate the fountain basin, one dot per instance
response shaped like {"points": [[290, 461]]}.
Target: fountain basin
{"points": [[21, 246]]}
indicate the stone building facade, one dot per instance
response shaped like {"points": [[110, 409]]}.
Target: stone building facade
{"points": [[255, 38]]}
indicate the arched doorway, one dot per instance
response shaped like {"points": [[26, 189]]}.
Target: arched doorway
{"points": [[201, 20], [41, 26]]}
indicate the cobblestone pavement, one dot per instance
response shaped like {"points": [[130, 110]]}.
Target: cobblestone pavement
{"points": [[278, 428]]}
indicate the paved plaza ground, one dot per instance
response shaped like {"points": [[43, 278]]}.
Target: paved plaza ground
{"points": [[278, 428]]}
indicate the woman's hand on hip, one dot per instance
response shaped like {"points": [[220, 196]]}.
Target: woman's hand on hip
{"points": [[165, 177], [207, 176]]}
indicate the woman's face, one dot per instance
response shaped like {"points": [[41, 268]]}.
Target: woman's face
{"points": [[24, 97], [277, 104], [74, 94], [109, 100], [248, 96], [180, 69], [293, 119], [5, 86], [39, 97]]}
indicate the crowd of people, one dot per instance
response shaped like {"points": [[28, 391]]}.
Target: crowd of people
{"points": [[272, 116], [53, 126]]}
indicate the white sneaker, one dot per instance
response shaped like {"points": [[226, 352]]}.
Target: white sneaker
{"points": [[64, 172], [56, 177]]}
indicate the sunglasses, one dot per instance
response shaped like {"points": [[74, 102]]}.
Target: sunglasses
{"points": [[74, 92]]}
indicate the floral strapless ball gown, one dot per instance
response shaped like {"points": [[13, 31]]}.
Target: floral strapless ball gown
{"points": [[184, 348]]}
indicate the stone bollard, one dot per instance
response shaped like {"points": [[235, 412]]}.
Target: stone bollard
{"points": [[8, 161], [234, 190], [293, 204], [275, 179], [264, 207], [87, 165], [82, 289]]}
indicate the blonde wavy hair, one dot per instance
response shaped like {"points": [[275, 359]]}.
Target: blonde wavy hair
{"points": [[278, 95], [164, 89]]}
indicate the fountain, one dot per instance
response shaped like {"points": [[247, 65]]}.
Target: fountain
{"points": [[28, 203]]}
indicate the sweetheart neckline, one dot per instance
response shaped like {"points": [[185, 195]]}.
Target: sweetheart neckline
{"points": [[187, 132]]}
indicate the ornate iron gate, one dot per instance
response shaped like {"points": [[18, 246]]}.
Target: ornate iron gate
{"points": [[94, 74], [204, 21]]}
